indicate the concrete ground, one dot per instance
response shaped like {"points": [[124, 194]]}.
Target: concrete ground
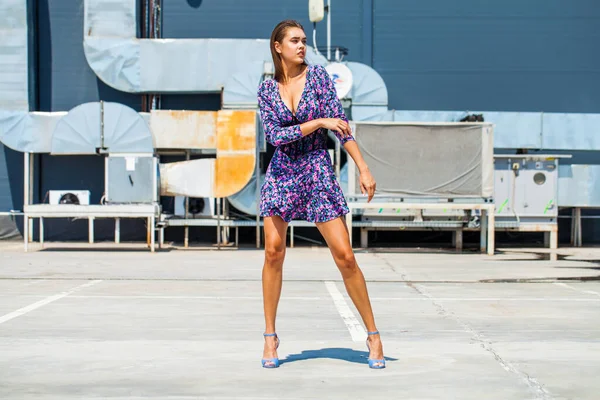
{"points": [[117, 322]]}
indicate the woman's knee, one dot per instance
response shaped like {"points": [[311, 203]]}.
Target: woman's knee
{"points": [[274, 253], [346, 262]]}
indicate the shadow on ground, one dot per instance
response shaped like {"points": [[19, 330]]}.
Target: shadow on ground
{"points": [[334, 353]]}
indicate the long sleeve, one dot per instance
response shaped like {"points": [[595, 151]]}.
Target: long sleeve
{"points": [[332, 105], [275, 134]]}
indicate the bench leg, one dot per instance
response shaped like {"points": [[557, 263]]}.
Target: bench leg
{"points": [[42, 232], [457, 239], [91, 230], [349, 226], [364, 238], [483, 229], [491, 239], [117, 230], [26, 232]]}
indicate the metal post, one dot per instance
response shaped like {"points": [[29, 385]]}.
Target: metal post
{"points": [[364, 238], [578, 233], [349, 222], [91, 229], [457, 239], [117, 230], [292, 236], [257, 174], [42, 232], [219, 223], [338, 158], [101, 124], [26, 231], [483, 229], [26, 187], [152, 224], [31, 179], [186, 233], [491, 239], [328, 30]]}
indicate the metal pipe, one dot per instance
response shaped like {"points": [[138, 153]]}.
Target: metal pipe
{"points": [[328, 30], [257, 174], [26, 186], [219, 199], [101, 124], [186, 234]]}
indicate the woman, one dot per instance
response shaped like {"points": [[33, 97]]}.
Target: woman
{"points": [[297, 108]]}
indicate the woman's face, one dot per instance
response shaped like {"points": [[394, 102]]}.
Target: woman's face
{"points": [[293, 47]]}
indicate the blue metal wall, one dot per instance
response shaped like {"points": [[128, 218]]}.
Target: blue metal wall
{"points": [[514, 55], [511, 55]]}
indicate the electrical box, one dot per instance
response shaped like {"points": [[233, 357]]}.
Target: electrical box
{"points": [[526, 186], [131, 178], [316, 10]]}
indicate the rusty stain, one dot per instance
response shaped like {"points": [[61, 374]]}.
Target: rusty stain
{"points": [[180, 129], [233, 135], [232, 173], [236, 130]]}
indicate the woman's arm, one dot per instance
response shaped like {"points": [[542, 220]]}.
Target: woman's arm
{"points": [[278, 135], [367, 182], [275, 133], [331, 104], [334, 109]]}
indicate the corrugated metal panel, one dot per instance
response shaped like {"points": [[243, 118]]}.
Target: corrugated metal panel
{"points": [[28, 132], [65, 78], [14, 94], [11, 179], [11, 191], [256, 19], [514, 55], [579, 185], [110, 126]]}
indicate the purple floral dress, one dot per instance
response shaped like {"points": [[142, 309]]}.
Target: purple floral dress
{"points": [[300, 181]]}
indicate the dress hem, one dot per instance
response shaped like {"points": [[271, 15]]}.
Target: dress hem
{"points": [[316, 220]]}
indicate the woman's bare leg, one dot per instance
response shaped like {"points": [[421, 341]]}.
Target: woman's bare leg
{"points": [[336, 235], [272, 276]]}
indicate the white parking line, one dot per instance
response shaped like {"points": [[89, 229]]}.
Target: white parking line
{"points": [[576, 289], [159, 297], [317, 298], [524, 299], [357, 331], [47, 300]]}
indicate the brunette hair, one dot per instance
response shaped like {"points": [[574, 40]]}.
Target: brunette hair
{"points": [[277, 36]]}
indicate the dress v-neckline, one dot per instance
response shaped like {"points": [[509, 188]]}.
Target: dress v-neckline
{"points": [[301, 95]]}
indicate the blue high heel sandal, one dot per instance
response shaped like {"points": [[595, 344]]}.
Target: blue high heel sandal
{"points": [[271, 362], [372, 362]]}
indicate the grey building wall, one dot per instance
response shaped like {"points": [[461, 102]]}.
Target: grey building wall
{"points": [[514, 55]]}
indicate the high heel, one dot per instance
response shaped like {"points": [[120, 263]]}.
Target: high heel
{"points": [[372, 362], [271, 362]]}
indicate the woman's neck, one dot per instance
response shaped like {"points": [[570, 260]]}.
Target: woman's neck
{"points": [[291, 71]]}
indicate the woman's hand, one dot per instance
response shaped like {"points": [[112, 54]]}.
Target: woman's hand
{"points": [[367, 183], [336, 124]]}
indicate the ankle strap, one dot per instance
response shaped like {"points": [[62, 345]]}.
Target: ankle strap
{"points": [[373, 333], [269, 334]]}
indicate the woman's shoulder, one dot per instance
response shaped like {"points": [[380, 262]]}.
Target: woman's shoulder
{"points": [[266, 86], [319, 74], [316, 70]]}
